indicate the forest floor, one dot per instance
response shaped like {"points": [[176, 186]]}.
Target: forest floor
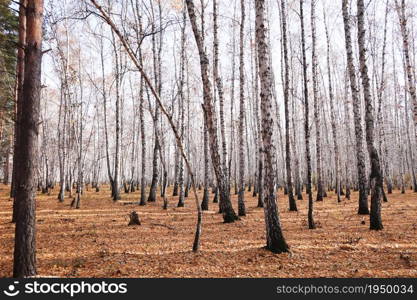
{"points": [[95, 241]]}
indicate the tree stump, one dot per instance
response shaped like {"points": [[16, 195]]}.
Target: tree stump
{"points": [[134, 218], [165, 203]]}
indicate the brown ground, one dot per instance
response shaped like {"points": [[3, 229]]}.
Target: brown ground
{"points": [[95, 241]]}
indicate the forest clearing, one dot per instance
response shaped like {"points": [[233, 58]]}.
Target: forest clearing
{"points": [[96, 241]]}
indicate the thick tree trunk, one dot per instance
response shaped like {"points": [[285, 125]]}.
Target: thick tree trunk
{"points": [[20, 69], [24, 263]]}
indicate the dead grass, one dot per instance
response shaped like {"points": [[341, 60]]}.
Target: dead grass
{"points": [[95, 241]]}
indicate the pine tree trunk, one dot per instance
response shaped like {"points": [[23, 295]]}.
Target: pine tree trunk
{"points": [[24, 263], [20, 69]]}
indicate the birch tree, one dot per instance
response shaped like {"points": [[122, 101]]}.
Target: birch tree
{"points": [[291, 199], [241, 196], [275, 240], [376, 173], [360, 155], [311, 223], [229, 214]]}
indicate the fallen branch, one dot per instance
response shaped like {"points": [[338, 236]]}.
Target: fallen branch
{"points": [[105, 16]]}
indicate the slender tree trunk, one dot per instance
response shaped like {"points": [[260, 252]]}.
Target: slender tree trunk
{"points": [[409, 67], [175, 189], [380, 118], [311, 223], [314, 66], [143, 199], [155, 175], [229, 214], [409, 70], [298, 181], [241, 196], [106, 133], [376, 173], [291, 200], [182, 109], [116, 178], [206, 195], [274, 236], [259, 132], [196, 243], [333, 116], [360, 156], [80, 179], [62, 152], [219, 86]]}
